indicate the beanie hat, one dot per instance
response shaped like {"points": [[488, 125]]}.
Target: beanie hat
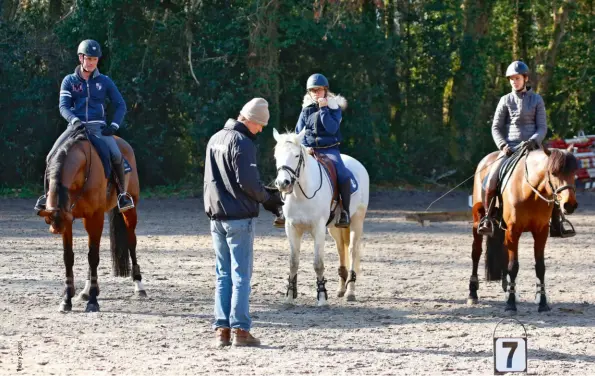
{"points": [[257, 110]]}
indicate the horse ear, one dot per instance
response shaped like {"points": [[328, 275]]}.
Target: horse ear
{"points": [[547, 151], [570, 148], [301, 135], [276, 134]]}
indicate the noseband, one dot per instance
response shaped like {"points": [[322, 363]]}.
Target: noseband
{"points": [[295, 174], [555, 191]]}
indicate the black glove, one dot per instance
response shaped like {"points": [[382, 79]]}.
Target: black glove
{"points": [[109, 131], [532, 144], [273, 203]]}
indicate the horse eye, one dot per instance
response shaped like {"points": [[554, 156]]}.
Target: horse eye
{"points": [[297, 156]]}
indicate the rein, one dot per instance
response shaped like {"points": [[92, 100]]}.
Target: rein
{"points": [[295, 174]]}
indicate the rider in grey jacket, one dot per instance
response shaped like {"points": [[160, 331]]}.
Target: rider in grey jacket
{"points": [[520, 116]]}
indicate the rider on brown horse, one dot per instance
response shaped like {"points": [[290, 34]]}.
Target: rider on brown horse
{"points": [[520, 116], [82, 103]]}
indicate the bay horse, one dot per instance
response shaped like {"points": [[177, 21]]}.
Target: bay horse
{"points": [[540, 180], [78, 188], [308, 194]]}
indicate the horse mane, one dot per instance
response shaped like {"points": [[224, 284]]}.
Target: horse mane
{"points": [[287, 138], [561, 162], [56, 165]]}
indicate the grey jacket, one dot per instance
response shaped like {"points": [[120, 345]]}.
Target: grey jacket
{"points": [[519, 117], [232, 187]]}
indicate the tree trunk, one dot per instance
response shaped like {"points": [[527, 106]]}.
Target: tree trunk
{"points": [[560, 17], [263, 57], [8, 10], [469, 82], [521, 29], [55, 10]]}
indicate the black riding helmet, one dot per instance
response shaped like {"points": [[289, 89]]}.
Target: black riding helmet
{"points": [[517, 67], [89, 47]]}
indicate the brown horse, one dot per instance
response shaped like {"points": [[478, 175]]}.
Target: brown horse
{"points": [[541, 180], [78, 188]]}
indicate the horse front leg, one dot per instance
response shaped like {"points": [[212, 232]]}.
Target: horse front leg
{"points": [[94, 227], [295, 238], [130, 218], [319, 233], [476, 251], [512, 246], [66, 304], [540, 238]]}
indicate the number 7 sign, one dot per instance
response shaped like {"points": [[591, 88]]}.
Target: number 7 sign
{"points": [[510, 355]]}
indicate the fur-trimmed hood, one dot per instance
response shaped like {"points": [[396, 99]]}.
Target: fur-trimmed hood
{"points": [[334, 101]]}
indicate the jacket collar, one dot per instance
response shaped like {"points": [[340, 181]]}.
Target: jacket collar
{"points": [[523, 94], [235, 125], [94, 74], [334, 101]]}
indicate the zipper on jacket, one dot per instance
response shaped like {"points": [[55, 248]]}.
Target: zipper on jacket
{"points": [[87, 104]]}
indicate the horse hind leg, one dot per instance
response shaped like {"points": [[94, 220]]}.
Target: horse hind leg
{"points": [[342, 249], [476, 251], [130, 219], [353, 243]]}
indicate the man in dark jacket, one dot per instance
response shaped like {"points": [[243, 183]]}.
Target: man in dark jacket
{"points": [[232, 193]]}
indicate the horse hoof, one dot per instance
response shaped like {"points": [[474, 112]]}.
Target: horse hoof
{"points": [[350, 298], [510, 311], [544, 308], [472, 301], [289, 301], [340, 294], [65, 307], [322, 303], [83, 296], [92, 307], [141, 293]]}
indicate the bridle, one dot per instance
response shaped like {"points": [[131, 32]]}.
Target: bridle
{"points": [[555, 191], [295, 174]]}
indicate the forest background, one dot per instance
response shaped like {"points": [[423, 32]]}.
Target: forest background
{"points": [[422, 77]]}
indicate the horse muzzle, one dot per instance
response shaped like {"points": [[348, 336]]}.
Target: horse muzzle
{"points": [[569, 208], [284, 186]]}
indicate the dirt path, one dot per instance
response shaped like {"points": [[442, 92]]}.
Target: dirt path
{"points": [[411, 316]]}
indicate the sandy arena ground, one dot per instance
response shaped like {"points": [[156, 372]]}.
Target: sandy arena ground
{"points": [[410, 318]]}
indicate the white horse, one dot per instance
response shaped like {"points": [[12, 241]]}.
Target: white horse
{"points": [[308, 195]]}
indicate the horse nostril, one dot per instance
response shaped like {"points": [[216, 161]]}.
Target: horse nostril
{"points": [[285, 183], [569, 208]]}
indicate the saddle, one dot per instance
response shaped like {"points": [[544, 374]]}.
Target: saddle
{"points": [[81, 134]]}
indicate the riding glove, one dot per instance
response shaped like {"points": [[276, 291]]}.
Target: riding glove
{"points": [[109, 131]]}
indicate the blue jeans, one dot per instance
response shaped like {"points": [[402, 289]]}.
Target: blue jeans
{"points": [[233, 241]]}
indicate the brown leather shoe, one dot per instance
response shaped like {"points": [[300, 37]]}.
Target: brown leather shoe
{"points": [[222, 337], [244, 338]]}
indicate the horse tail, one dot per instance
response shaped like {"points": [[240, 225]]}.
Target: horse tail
{"points": [[119, 244], [495, 255]]}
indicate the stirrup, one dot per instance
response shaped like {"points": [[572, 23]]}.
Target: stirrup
{"points": [[561, 231], [483, 230], [345, 224], [40, 206], [126, 207]]}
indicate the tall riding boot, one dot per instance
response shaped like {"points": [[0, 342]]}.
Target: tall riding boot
{"points": [[345, 192], [486, 225], [42, 200], [125, 201]]}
